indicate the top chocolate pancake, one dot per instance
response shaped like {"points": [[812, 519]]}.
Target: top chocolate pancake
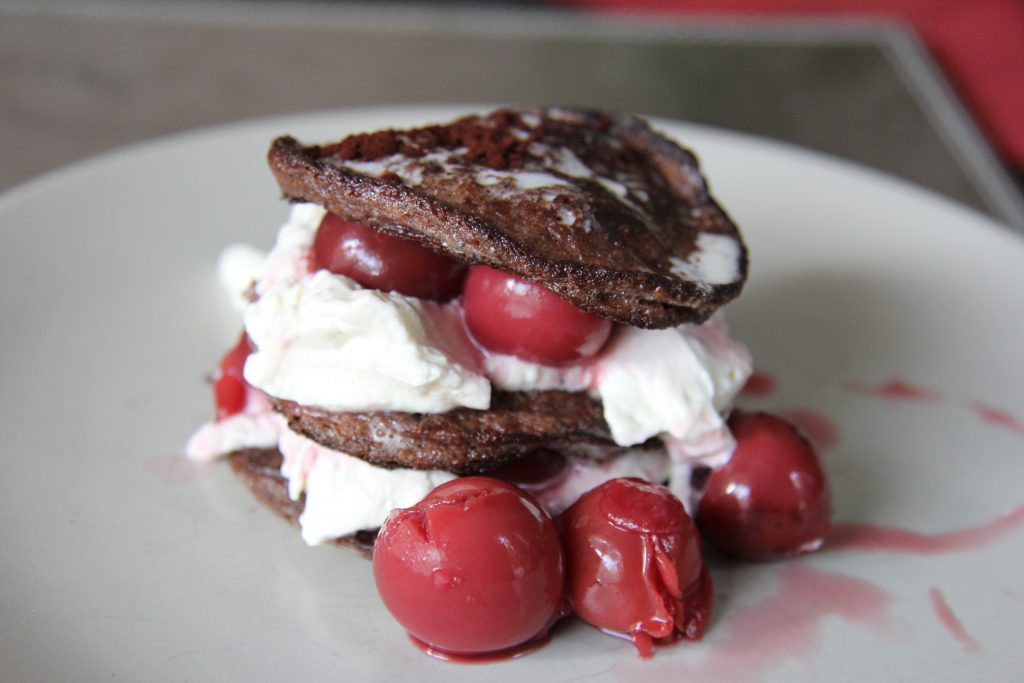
{"points": [[599, 208]]}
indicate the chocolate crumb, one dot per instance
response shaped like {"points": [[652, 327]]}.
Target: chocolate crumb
{"points": [[489, 142]]}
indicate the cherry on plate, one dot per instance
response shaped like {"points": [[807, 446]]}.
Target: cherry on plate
{"points": [[476, 567], [230, 389], [513, 316], [633, 564], [771, 499], [383, 262]]}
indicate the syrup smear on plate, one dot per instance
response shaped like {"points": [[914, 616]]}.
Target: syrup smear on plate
{"points": [[806, 598], [948, 618], [868, 537], [998, 418], [895, 389]]}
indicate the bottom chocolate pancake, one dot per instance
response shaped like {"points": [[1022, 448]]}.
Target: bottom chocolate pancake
{"points": [[260, 469]]}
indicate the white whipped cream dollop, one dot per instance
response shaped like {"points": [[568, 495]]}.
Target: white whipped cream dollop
{"points": [[238, 267], [291, 258], [345, 494], [242, 266], [673, 383], [325, 341], [243, 430], [510, 373]]}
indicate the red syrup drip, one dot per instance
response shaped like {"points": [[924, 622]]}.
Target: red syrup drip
{"points": [[482, 658], [821, 430], [895, 389], [644, 645], [867, 537], [998, 418], [759, 385], [804, 598], [687, 625], [949, 619]]}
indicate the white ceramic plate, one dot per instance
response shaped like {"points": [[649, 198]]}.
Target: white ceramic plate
{"points": [[891, 320]]}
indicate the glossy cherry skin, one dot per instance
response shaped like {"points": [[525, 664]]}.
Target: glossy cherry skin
{"points": [[633, 563], [229, 386], [383, 262], [475, 567], [771, 499], [507, 314]]}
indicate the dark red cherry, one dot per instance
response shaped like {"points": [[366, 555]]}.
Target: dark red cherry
{"points": [[229, 385], [633, 563], [383, 262], [772, 498], [510, 315], [475, 567]]}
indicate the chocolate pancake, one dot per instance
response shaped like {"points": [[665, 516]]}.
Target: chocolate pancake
{"points": [[463, 441], [599, 208], [260, 469]]}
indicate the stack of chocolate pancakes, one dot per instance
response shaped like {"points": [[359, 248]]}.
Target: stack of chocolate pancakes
{"points": [[631, 235]]}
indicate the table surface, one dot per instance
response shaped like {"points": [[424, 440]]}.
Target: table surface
{"points": [[85, 77]]}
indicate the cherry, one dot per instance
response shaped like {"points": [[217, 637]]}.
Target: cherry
{"points": [[475, 567], [633, 563], [383, 262], [509, 315], [229, 386], [771, 499]]}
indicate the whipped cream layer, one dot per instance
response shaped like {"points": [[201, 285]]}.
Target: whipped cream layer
{"points": [[256, 426], [324, 341], [345, 494]]}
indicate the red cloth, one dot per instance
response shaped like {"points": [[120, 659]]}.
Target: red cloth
{"points": [[978, 43]]}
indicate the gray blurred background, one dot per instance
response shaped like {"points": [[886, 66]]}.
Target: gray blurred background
{"points": [[84, 77]]}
